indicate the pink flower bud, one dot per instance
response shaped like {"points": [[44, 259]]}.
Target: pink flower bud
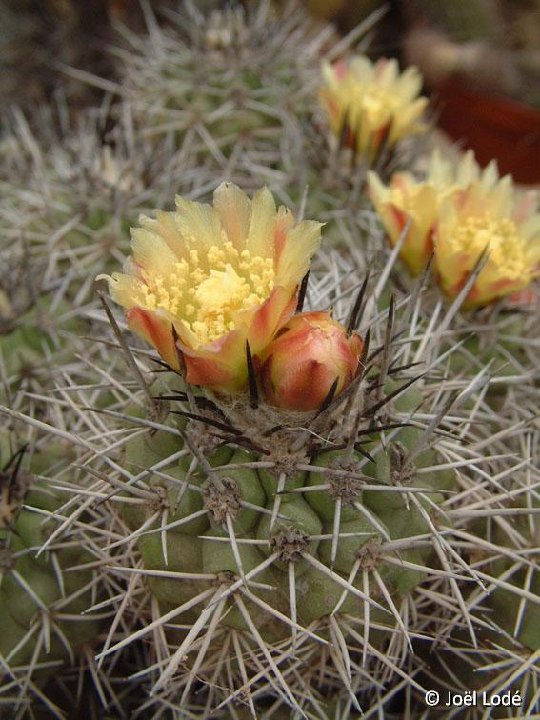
{"points": [[306, 357]]}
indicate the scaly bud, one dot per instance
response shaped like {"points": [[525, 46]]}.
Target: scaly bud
{"points": [[304, 360]]}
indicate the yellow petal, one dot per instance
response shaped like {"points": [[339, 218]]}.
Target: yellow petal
{"points": [[165, 226], [151, 252], [302, 242], [262, 224], [198, 223], [234, 209], [125, 290]]}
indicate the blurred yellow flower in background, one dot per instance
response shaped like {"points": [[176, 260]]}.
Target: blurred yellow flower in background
{"points": [[457, 212], [372, 105], [407, 200], [487, 216], [205, 280]]}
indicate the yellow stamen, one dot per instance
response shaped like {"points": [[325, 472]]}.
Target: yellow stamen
{"points": [[507, 249], [204, 295]]}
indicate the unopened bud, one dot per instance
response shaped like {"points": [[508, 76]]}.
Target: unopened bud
{"points": [[307, 356]]}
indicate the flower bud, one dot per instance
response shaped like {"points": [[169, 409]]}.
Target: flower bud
{"points": [[304, 360]]}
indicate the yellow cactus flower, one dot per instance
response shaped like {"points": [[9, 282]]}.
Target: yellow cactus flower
{"points": [[372, 105], [308, 355], [487, 216], [406, 200], [205, 280], [456, 213]]}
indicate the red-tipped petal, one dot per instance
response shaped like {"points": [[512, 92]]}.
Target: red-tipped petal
{"points": [[220, 365], [270, 316], [155, 330]]}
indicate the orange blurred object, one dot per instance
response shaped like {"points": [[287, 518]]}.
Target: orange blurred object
{"points": [[494, 127]]}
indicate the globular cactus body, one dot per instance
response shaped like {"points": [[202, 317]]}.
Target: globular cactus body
{"points": [[280, 538], [42, 592]]}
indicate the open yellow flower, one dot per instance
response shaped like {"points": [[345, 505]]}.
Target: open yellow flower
{"points": [[487, 216], [205, 280], [457, 212], [406, 200], [370, 105]]}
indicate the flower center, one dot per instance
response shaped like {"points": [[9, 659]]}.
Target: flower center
{"points": [[369, 103], [506, 247], [205, 293], [378, 103]]}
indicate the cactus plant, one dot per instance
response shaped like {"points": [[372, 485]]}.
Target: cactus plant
{"points": [[226, 80], [272, 534], [44, 585]]}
